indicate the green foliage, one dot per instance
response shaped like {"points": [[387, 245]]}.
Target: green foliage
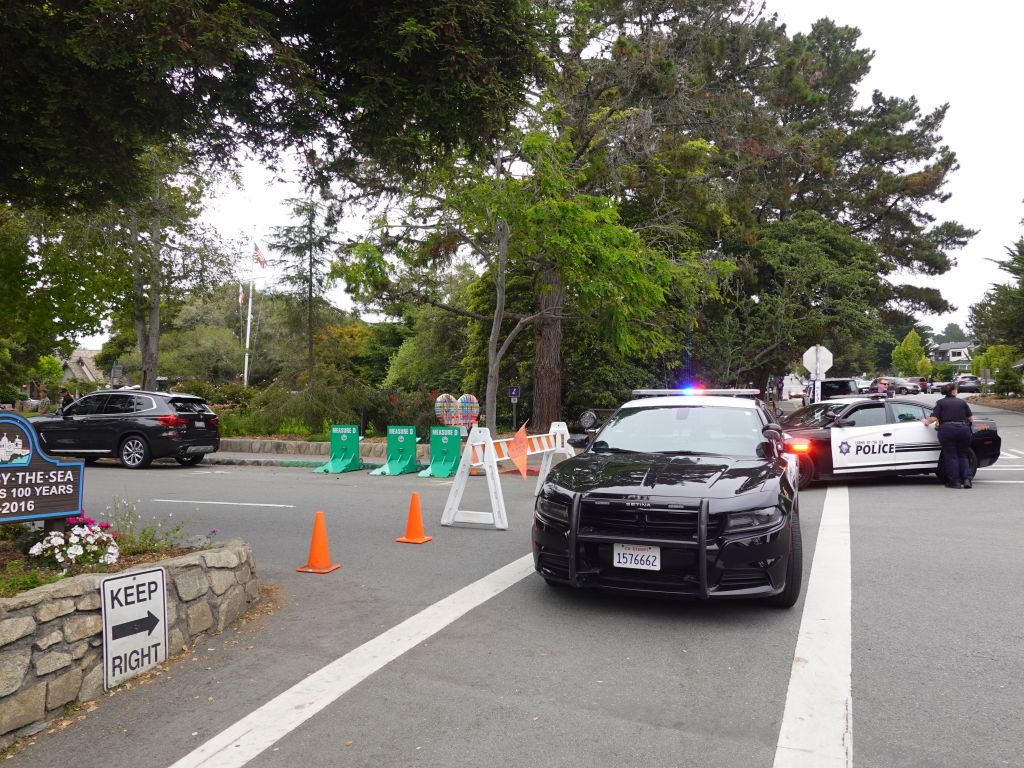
{"points": [[908, 353], [944, 371], [924, 367], [1008, 381], [136, 537], [17, 577], [952, 332], [9, 393], [996, 358], [999, 317]]}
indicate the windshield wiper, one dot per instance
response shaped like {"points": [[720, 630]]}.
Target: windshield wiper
{"points": [[602, 447]]}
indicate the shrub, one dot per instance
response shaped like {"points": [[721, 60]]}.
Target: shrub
{"points": [[87, 543], [9, 393], [135, 537], [1007, 381]]}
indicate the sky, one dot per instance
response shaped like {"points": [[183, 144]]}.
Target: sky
{"points": [[938, 51]]}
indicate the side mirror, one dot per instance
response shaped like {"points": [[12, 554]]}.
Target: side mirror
{"points": [[844, 423], [588, 420], [580, 441], [772, 432]]}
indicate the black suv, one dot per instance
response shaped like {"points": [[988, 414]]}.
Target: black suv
{"points": [[687, 495], [134, 426]]}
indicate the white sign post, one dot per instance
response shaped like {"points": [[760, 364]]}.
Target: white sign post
{"points": [[817, 360], [134, 624]]}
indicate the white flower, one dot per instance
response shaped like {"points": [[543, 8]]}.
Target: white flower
{"points": [[73, 539], [36, 548], [75, 550], [59, 556]]}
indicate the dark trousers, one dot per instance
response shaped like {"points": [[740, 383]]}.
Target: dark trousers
{"points": [[955, 440]]}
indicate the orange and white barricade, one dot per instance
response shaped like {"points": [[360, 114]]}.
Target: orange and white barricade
{"points": [[483, 452]]}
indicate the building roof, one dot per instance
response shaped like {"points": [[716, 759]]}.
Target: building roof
{"points": [[81, 365], [954, 345]]}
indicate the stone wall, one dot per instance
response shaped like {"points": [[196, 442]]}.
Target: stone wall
{"points": [[51, 638]]}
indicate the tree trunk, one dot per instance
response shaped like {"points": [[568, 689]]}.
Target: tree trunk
{"points": [[309, 300], [547, 360], [501, 236]]}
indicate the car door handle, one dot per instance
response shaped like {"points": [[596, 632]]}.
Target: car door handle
{"points": [[887, 434]]}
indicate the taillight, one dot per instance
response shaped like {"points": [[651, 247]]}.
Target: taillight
{"points": [[213, 421], [798, 445], [170, 420]]}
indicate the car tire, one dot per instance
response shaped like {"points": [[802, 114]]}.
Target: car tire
{"points": [[191, 460], [901, 391], [794, 570], [940, 470], [134, 452], [806, 475]]}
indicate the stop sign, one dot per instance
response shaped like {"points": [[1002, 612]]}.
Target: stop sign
{"points": [[817, 360]]}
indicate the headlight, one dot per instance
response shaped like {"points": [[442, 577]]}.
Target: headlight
{"points": [[553, 509], [752, 519]]}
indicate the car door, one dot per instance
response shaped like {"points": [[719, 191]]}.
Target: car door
{"points": [[867, 444], [917, 445], [75, 431], [112, 421]]}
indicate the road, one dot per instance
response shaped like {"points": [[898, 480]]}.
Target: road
{"points": [[535, 676]]}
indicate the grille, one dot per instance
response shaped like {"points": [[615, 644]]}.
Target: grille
{"points": [[614, 517]]}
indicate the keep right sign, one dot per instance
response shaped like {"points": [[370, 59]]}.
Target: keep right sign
{"points": [[134, 624]]}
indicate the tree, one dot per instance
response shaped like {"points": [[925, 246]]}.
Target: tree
{"points": [[999, 317], [908, 353], [952, 332], [924, 367], [307, 251], [998, 357], [88, 86]]}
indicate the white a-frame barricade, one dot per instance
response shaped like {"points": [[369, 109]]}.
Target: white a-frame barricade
{"points": [[482, 452]]}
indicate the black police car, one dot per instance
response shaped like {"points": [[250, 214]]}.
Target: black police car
{"points": [[867, 437], [132, 425], [680, 493]]}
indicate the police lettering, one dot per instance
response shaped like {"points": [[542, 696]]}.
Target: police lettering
{"points": [[132, 594], [874, 448]]}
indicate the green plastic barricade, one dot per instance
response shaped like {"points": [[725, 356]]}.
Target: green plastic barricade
{"points": [[445, 443], [401, 458], [344, 449]]}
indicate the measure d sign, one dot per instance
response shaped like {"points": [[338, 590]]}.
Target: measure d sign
{"points": [[134, 624]]}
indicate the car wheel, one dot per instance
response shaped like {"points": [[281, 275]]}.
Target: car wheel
{"points": [[134, 453], [940, 471], [806, 475], [901, 391], [794, 570], [191, 460]]}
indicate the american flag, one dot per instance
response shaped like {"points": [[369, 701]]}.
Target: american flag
{"points": [[258, 256], [241, 295]]}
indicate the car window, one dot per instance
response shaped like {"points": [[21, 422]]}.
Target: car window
{"points": [[903, 412], [868, 415], [189, 406], [817, 415], [87, 406], [838, 388], [721, 431], [119, 404]]}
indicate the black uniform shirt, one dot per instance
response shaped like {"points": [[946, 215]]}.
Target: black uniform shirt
{"points": [[951, 408]]}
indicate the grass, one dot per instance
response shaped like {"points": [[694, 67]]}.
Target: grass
{"points": [[16, 577]]}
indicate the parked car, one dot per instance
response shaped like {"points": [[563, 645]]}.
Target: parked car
{"points": [[831, 388], [921, 382], [966, 382], [896, 385], [863, 386], [680, 493], [868, 437], [133, 426]]}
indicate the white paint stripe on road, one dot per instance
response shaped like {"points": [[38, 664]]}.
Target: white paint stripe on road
{"points": [[1003, 468], [226, 503], [817, 724], [1016, 451], [999, 481], [241, 742]]}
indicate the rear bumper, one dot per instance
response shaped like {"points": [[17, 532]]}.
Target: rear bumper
{"points": [[164, 448], [724, 567]]}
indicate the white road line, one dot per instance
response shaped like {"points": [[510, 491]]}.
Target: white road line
{"points": [[817, 725], [226, 503], [1016, 451], [1005, 482], [1003, 468], [241, 742]]}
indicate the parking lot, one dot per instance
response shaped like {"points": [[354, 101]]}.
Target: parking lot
{"points": [[536, 676]]}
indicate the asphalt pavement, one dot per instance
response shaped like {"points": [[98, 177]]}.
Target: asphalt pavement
{"points": [[535, 676]]}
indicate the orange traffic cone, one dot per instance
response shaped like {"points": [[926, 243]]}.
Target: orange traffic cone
{"points": [[319, 557], [414, 528]]}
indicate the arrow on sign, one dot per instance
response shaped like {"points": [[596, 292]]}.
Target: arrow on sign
{"points": [[129, 628]]}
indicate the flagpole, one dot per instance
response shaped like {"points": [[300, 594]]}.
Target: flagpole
{"points": [[248, 330]]}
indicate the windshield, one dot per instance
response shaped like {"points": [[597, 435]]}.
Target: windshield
{"points": [[817, 415], [683, 429]]}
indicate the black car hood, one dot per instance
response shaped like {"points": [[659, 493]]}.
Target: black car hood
{"points": [[657, 475]]}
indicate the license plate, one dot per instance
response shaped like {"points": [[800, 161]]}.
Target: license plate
{"points": [[200, 424], [645, 558]]}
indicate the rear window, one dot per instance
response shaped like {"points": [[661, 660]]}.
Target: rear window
{"points": [[190, 406], [838, 388]]}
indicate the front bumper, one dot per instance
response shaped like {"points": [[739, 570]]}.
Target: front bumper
{"points": [[704, 565]]}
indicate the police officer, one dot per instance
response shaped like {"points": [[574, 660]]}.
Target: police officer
{"points": [[954, 417]]}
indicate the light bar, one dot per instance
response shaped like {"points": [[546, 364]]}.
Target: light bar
{"points": [[696, 391]]}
